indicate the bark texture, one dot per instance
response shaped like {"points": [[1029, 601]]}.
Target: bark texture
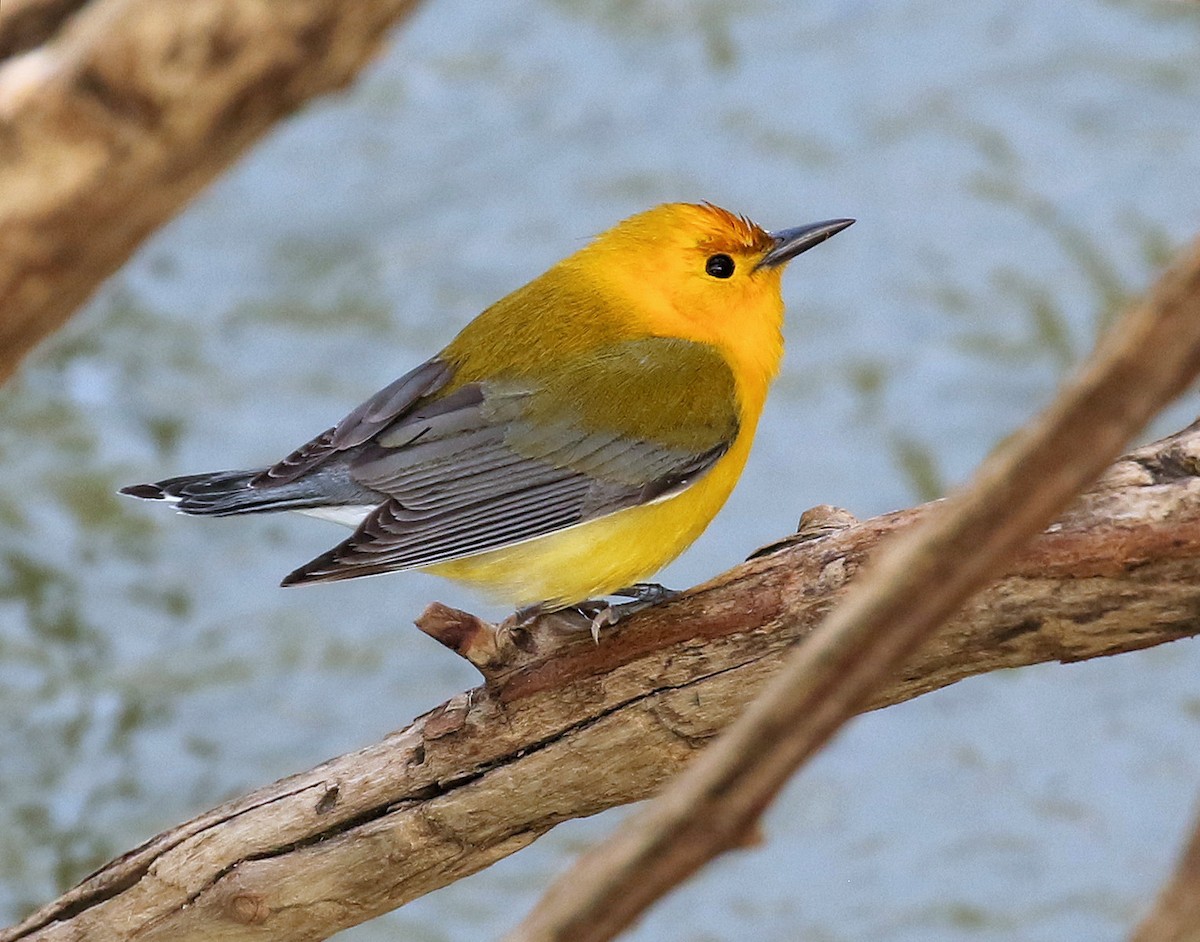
{"points": [[563, 728], [115, 113]]}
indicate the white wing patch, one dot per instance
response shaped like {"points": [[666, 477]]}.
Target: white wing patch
{"points": [[347, 515]]}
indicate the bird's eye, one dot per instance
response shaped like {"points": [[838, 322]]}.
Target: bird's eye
{"points": [[719, 266]]}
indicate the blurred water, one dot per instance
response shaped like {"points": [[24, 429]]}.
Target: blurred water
{"points": [[1018, 170]]}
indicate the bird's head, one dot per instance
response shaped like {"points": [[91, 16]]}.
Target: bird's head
{"points": [[704, 273]]}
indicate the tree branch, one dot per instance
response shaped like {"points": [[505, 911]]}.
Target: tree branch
{"points": [[563, 728], [106, 132], [26, 24]]}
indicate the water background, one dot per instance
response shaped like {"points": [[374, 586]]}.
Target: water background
{"points": [[1018, 170]]}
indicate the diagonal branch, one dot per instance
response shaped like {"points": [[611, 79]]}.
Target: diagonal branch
{"points": [[109, 129]]}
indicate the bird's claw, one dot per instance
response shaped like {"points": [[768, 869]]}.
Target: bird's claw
{"points": [[642, 595], [598, 613], [606, 616]]}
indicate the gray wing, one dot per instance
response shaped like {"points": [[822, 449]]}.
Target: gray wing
{"points": [[482, 467]]}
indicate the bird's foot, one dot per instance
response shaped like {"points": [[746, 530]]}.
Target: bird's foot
{"points": [[525, 616], [597, 613], [650, 593], [603, 614]]}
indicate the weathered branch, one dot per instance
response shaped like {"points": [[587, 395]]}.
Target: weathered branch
{"points": [[26, 24], [919, 580], [108, 130], [564, 728], [1176, 914]]}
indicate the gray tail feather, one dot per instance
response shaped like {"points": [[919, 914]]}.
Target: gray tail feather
{"points": [[223, 493]]}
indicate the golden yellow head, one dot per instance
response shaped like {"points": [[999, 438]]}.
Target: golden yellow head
{"points": [[701, 272]]}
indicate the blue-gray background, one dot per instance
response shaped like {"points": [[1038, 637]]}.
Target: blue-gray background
{"points": [[1018, 170]]}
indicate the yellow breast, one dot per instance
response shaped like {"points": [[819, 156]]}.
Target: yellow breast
{"points": [[600, 556]]}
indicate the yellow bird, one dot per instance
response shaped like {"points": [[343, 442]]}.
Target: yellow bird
{"points": [[577, 435]]}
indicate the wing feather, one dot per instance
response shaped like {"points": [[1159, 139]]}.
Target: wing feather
{"points": [[492, 464]]}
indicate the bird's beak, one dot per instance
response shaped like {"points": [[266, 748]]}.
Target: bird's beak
{"points": [[791, 242]]}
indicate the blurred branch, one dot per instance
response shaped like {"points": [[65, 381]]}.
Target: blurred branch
{"points": [[916, 584], [563, 728], [25, 24], [1176, 914], [120, 111]]}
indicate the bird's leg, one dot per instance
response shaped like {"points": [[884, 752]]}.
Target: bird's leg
{"points": [[651, 593], [526, 615], [643, 595]]}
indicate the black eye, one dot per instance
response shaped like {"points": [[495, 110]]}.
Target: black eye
{"points": [[719, 266]]}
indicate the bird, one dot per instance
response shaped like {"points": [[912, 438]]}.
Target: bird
{"points": [[570, 441]]}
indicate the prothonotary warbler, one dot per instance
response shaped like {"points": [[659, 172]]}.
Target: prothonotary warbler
{"points": [[573, 439]]}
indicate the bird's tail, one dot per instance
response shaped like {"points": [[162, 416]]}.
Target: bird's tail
{"points": [[223, 493]]}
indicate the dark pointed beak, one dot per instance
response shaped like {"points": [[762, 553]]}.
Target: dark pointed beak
{"points": [[791, 242]]}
